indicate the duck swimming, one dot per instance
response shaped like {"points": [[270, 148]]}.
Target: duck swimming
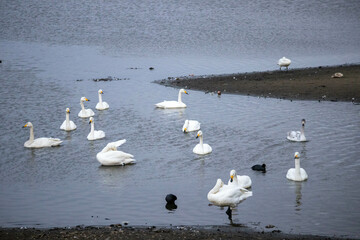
{"points": [[85, 113], [94, 134], [190, 125], [297, 174], [173, 104], [110, 156], [101, 105], [39, 142], [239, 181], [68, 125], [201, 148], [298, 136]]}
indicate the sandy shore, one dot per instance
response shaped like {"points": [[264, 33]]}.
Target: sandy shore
{"points": [[120, 232], [294, 84]]}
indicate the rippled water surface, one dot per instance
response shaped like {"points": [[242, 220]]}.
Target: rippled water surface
{"points": [[51, 53]]}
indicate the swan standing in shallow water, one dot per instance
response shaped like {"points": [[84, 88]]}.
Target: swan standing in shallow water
{"points": [[110, 156], [101, 105], [201, 148], [85, 113], [39, 142], [298, 136], [190, 125], [226, 195], [94, 134], [173, 104], [297, 174], [239, 181], [284, 62], [68, 125]]}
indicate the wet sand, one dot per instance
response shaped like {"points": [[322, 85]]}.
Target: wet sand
{"points": [[293, 84], [120, 232]]}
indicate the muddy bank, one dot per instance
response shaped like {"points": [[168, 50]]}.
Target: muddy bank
{"points": [[120, 232], [295, 84]]}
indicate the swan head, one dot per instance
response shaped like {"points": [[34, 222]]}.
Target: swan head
{"points": [[28, 124], [232, 175], [100, 91], [297, 155], [186, 125], [91, 119], [83, 99], [199, 134], [68, 110], [303, 122], [183, 91]]}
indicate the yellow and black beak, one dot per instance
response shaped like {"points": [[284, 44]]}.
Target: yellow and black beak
{"points": [[25, 126], [231, 178], [184, 130], [197, 136], [90, 121], [87, 100], [186, 92]]}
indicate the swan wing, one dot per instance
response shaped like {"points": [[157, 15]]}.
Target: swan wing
{"points": [[115, 158], [63, 125], [44, 142], [193, 125], [170, 104]]}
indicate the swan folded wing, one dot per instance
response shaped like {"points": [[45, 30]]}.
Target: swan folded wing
{"points": [[294, 135], [170, 104], [115, 158], [44, 142]]}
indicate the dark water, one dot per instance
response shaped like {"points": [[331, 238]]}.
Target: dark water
{"points": [[51, 51]]}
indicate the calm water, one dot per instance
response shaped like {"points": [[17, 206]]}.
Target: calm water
{"points": [[52, 51]]}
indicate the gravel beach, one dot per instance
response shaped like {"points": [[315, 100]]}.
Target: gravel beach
{"points": [[316, 83]]}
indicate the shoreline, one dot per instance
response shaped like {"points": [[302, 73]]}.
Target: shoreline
{"points": [[117, 231], [314, 83]]}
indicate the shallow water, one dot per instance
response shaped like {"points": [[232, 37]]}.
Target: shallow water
{"points": [[48, 66]]}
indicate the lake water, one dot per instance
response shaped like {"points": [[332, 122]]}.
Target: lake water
{"points": [[52, 51]]}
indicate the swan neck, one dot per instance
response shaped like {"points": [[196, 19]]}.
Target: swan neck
{"points": [[179, 97], [302, 130], [92, 128], [201, 141], [67, 118], [100, 98], [297, 166], [82, 106], [31, 134]]}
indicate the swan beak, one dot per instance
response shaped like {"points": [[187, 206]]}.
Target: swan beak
{"points": [[231, 178], [87, 100], [184, 130], [90, 121], [102, 92], [25, 126], [186, 92], [296, 156], [197, 136]]}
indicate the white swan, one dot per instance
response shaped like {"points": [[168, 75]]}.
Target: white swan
{"points": [[68, 125], [85, 113], [297, 174], [101, 105], [39, 142], [173, 104], [298, 136], [201, 148], [191, 125], [240, 181], [225, 195], [94, 134], [284, 62], [110, 156]]}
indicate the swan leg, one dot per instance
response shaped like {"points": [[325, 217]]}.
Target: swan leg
{"points": [[229, 213]]}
